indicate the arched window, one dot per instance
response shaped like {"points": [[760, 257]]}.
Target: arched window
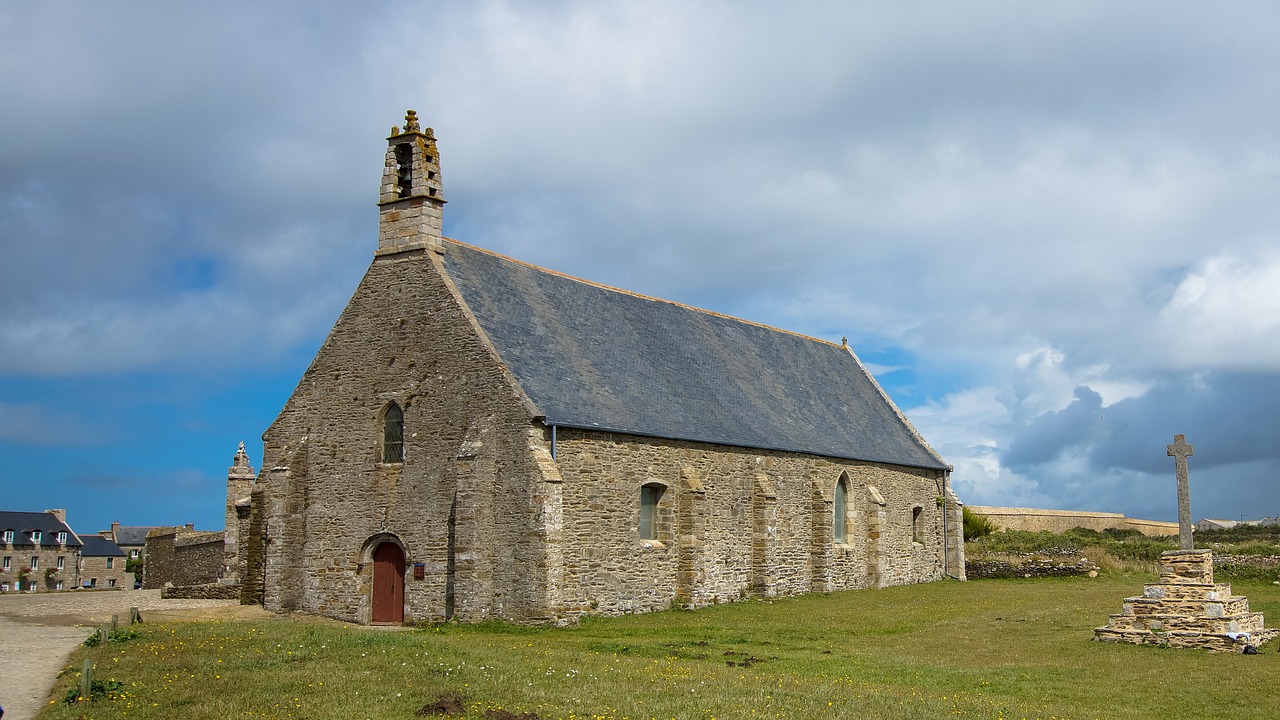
{"points": [[393, 434], [840, 532], [650, 496]]}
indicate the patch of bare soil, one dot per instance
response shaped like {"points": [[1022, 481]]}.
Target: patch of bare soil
{"points": [[446, 704]]}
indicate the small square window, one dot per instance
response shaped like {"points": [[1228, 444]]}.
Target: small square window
{"points": [[111, 582], [35, 563], [35, 536], [59, 585], [62, 538], [133, 554], [111, 563]]}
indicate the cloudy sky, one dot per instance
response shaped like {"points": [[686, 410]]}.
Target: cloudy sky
{"points": [[1052, 230]]}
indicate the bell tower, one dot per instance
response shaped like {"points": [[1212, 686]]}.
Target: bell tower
{"points": [[411, 201]]}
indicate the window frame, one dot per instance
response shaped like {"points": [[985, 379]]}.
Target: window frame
{"points": [[649, 518], [840, 511], [392, 420], [36, 535], [8, 536], [917, 525]]}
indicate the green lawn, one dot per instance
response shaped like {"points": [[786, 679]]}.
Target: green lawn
{"points": [[989, 649]]}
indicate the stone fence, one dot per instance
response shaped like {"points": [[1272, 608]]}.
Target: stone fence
{"points": [[1059, 521], [990, 569], [208, 591]]}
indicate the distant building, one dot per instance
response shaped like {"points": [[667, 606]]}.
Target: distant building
{"points": [[132, 539], [40, 552], [102, 564], [1215, 524]]}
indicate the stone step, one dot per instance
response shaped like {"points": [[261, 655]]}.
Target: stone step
{"points": [[1244, 622], [1202, 608], [1194, 591], [1194, 640]]}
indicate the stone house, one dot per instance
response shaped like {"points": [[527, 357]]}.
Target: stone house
{"points": [[482, 438], [132, 539], [38, 551], [103, 564]]}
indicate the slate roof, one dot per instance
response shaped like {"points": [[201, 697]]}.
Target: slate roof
{"points": [[98, 546], [133, 534], [595, 357], [23, 523]]}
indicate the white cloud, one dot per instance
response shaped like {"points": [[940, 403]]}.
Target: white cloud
{"points": [[1226, 314]]}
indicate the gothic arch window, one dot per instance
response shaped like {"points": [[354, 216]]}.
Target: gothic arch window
{"points": [[650, 497], [393, 434], [839, 520]]}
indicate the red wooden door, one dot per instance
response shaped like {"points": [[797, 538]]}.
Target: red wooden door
{"points": [[388, 584]]}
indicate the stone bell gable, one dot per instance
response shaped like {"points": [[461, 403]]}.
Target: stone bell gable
{"points": [[479, 437]]}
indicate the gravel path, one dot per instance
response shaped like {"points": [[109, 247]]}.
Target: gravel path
{"points": [[39, 630]]}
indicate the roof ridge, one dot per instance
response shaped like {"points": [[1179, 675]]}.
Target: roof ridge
{"points": [[642, 296]]}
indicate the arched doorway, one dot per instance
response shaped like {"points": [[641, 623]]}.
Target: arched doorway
{"points": [[388, 584]]}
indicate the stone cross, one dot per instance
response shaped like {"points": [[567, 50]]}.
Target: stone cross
{"points": [[1181, 450]]}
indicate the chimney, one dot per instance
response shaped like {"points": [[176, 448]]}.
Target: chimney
{"points": [[59, 513]]}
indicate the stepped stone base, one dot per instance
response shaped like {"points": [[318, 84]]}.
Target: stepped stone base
{"points": [[1186, 609]]}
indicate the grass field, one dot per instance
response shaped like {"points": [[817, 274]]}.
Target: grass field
{"points": [[983, 649]]}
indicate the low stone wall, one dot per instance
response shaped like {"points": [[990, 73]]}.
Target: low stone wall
{"points": [[995, 569], [1059, 521], [1268, 562], [208, 591]]}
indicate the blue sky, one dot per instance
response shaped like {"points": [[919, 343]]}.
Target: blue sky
{"points": [[1050, 229]]}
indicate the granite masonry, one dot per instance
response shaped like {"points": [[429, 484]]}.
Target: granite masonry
{"points": [[1187, 609], [481, 438]]}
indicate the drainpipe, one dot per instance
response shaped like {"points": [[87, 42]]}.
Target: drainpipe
{"points": [[553, 443]]}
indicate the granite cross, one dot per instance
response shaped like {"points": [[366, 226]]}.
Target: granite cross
{"points": [[1181, 451]]}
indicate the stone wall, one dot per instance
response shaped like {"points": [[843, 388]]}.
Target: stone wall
{"points": [[95, 573], [467, 502], [180, 557], [210, 591], [1031, 568], [47, 574], [1059, 521], [735, 523]]}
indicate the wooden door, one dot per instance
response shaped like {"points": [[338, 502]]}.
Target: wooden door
{"points": [[388, 584]]}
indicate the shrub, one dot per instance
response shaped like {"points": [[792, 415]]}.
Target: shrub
{"points": [[976, 526]]}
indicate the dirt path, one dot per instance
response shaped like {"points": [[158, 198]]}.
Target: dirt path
{"points": [[38, 631]]}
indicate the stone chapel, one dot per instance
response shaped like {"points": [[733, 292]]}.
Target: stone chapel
{"points": [[482, 438]]}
